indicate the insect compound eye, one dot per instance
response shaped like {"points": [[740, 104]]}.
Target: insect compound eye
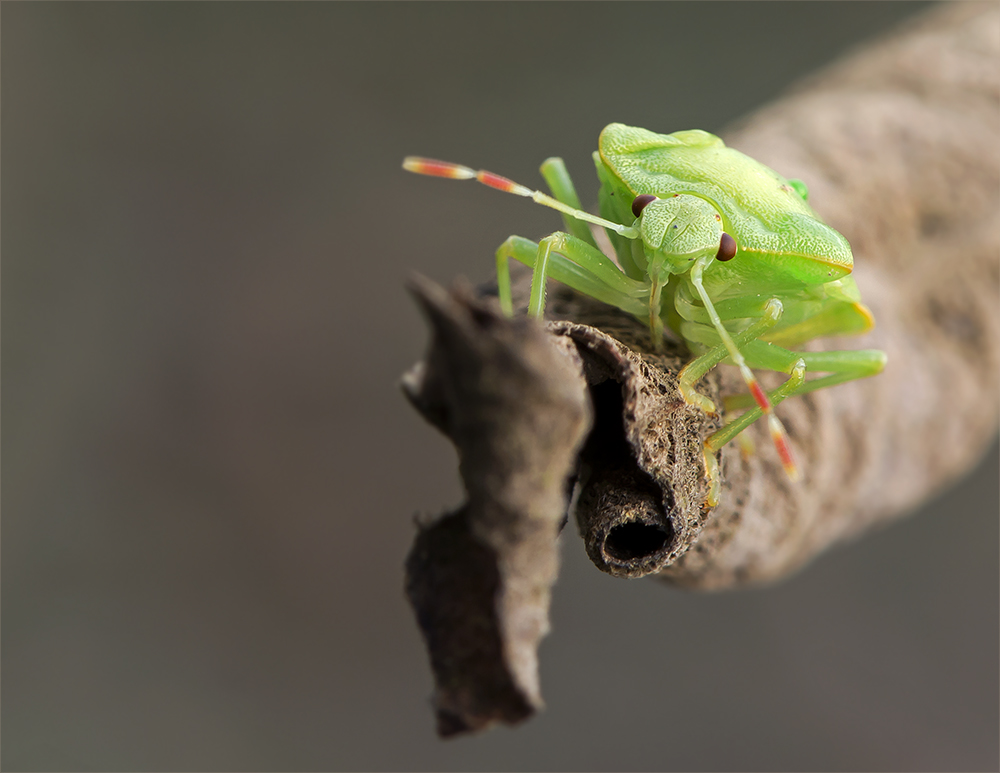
{"points": [[727, 248], [639, 202]]}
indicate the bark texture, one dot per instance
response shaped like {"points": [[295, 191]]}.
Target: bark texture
{"points": [[900, 146]]}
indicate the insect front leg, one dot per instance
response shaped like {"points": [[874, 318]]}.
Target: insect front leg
{"points": [[573, 262]]}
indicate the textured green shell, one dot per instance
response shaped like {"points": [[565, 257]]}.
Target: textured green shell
{"points": [[780, 237]]}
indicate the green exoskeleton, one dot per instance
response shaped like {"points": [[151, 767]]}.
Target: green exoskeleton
{"points": [[714, 246]]}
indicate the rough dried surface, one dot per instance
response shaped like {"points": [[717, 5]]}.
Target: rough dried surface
{"points": [[513, 400], [643, 489]]}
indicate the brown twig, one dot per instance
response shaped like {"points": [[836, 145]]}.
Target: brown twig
{"points": [[899, 145]]}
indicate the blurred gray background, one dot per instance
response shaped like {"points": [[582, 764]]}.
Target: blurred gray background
{"points": [[210, 474]]}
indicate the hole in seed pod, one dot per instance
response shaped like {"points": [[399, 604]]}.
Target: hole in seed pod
{"points": [[635, 540]]}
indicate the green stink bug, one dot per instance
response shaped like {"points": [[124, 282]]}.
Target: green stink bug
{"points": [[711, 244]]}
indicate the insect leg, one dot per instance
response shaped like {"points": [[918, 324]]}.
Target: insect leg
{"points": [[557, 178], [578, 265], [689, 308], [719, 438], [778, 435], [655, 320], [699, 366], [792, 386], [843, 366], [503, 279], [536, 301]]}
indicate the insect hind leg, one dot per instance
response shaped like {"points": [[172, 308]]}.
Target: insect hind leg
{"points": [[842, 366]]}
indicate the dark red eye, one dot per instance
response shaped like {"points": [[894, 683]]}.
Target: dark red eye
{"points": [[639, 202], [727, 248]]}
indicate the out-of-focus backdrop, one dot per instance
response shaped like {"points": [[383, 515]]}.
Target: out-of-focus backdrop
{"points": [[210, 474]]}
